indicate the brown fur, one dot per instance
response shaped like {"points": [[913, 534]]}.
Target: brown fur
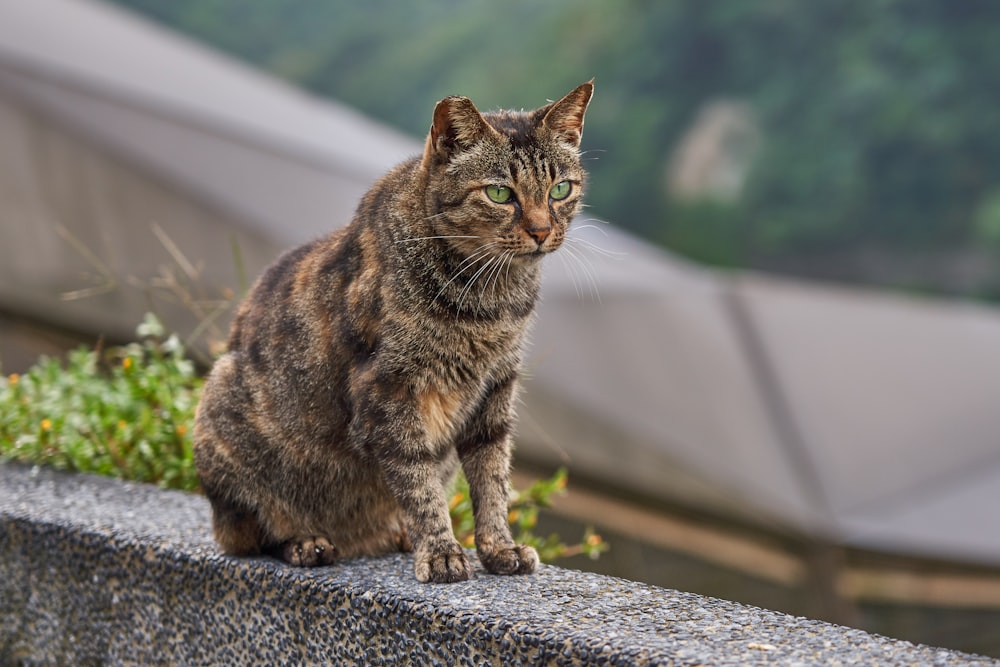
{"points": [[364, 366]]}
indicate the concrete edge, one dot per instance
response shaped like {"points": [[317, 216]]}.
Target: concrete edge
{"points": [[99, 571]]}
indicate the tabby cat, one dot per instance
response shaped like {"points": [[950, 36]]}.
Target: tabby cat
{"points": [[364, 366]]}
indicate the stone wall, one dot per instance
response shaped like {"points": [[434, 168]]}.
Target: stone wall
{"points": [[95, 571]]}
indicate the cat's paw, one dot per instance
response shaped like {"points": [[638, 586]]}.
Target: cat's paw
{"points": [[442, 566], [509, 559], [308, 551]]}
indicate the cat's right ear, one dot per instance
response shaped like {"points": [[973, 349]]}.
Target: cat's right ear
{"points": [[565, 117], [457, 126]]}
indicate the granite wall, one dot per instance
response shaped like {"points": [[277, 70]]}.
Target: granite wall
{"points": [[96, 571]]}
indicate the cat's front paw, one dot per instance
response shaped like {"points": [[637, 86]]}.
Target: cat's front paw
{"points": [[442, 565], [310, 551], [509, 559]]}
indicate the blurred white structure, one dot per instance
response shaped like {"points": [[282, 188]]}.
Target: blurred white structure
{"points": [[859, 417], [863, 418], [713, 158], [109, 124]]}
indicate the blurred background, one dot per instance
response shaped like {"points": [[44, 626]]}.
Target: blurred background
{"points": [[769, 358]]}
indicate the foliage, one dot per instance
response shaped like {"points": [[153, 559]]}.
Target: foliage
{"points": [[878, 116], [127, 412], [124, 412], [524, 507]]}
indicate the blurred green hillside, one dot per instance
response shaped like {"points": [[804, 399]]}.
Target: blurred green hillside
{"points": [[876, 121]]}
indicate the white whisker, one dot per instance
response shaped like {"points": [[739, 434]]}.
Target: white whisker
{"points": [[488, 280], [425, 238], [472, 281], [588, 271], [568, 255], [506, 278], [586, 268], [577, 228], [590, 245], [598, 220], [504, 259], [591, 272], [478, 254]]}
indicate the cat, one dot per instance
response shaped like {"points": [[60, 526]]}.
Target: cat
{"points": [[363, 367]]}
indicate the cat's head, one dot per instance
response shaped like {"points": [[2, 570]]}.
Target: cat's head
{"points": [[505, 182]]}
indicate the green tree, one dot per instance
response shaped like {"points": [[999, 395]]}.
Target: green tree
{"points": [[878, 116]]}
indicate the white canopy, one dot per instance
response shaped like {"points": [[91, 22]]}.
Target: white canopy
{"points": [[861, 417]]}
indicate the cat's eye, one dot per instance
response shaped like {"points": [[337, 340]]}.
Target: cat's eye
{"points": [[561, 190], [499, 194]]}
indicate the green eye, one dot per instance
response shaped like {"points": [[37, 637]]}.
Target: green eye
{"points": [[499, 193], [561, 190]]}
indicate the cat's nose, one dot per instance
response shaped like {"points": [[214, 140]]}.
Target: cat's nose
{"points": [[536, 223], [539, 233]]}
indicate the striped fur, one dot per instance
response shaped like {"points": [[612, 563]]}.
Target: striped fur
{"points": [[363, 367]]}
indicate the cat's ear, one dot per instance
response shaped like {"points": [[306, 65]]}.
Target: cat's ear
{"points": [[565, 117], [457, 125]]}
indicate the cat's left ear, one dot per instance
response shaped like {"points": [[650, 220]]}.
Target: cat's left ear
{"points": [[457, 125], [565, 117]]}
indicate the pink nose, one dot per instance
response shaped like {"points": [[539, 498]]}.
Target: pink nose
{"points": [[539, 233]]}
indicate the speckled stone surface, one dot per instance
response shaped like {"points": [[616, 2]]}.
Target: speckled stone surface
{"points": [[97, 572]]}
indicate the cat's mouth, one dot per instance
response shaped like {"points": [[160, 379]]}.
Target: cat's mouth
{"points": [[535, 254], [542, 249]]}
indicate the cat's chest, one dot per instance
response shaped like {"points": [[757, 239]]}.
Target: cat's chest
{"points": [[454, 381], [442, 412]]}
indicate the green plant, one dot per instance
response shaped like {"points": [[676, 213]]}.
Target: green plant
{"points": [[123, 412], [127, 412], [524, 507]]}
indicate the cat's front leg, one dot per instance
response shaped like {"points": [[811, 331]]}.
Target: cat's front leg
{"points": [[486, 468], [485, 453], [417, 487], [392, 430]]}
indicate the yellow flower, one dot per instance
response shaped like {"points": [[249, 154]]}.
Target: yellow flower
{"points": [[513, 516], [455, 500], [182, 430], [46, 424], [594, 539], [127, 363], [469, 541], [13, 378], [121, 424]]}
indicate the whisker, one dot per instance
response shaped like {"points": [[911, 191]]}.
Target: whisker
{"points": [[504, 259], [567, 255], [425, 238], [506, 278], [588, 271], [470, 261], [482, 255], [577, 228], [592, 276], [593, 247], [490, 276], [472, 281]]}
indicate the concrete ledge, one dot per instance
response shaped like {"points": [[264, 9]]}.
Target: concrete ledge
{"points": [[97, 571]]}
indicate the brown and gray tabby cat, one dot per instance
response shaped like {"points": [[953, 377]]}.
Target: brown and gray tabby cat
{"points": [[363, 366]]}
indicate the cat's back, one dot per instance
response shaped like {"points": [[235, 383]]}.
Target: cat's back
{"points": [[270, 299], [313, 275]]}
